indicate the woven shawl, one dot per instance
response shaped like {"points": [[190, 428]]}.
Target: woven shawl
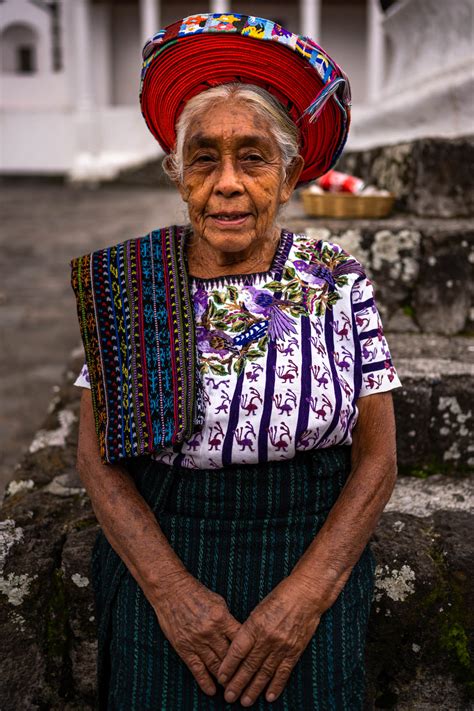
{"points": [[136, 320]]}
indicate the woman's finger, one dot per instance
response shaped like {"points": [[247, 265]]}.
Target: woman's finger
{"points": [[231, 627], [247, 669], [262, 677], [211, 659], [280, 677], [200, 673], [238, 650]]}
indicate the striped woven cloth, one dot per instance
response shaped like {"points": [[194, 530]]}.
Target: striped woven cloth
{"points": [[135, 316], [239, 532]]}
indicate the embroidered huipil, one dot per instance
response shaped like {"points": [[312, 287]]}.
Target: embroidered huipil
{"points": [[284, 355]]}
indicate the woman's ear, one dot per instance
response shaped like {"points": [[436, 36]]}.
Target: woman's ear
{"points": [[184, 192], [169, 168], [293, 173]]}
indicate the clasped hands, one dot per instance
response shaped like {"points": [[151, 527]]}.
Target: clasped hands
{"points": [[244, 657]]}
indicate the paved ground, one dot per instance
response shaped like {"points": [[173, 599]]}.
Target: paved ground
{"points": [[42, 227]]}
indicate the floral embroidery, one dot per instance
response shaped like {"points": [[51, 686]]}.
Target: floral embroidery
{"points": [[234, 325]]}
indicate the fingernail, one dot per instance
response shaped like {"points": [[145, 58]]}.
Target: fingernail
{"points": [[223, 678], [230, 696], [247, 700], [271, 697]]}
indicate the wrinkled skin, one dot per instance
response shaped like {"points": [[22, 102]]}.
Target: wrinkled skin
{"points": [[197, 622], [200, 627], [232, 164], [270, 643]]}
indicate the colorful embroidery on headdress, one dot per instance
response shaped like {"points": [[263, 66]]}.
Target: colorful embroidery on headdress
{"points": [[247, 26], [194, 24]]}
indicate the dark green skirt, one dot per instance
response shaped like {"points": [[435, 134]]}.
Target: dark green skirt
{"points": [[239, 531]]}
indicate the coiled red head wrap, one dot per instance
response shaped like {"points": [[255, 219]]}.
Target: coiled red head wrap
{"points": [[203, 51]]}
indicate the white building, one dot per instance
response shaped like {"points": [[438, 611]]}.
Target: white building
{"points": [[70, 73]]}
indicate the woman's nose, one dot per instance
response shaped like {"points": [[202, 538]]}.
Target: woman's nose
{"points": [[228, 180]]}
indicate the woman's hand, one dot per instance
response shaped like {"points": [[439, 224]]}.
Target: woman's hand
{"points": [[198, 624], [269, 643]]}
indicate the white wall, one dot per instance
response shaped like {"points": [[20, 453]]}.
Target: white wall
{"points": [[101, 46], [44, 89], [125, 55], [129, 134], [36, 141], [344, 37], [428, 40], [429, 82]]}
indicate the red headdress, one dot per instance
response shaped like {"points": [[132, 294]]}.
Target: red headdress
{"points": [[203, 51]]}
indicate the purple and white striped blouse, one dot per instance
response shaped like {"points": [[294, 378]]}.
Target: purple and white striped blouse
{"points": [[284, 356]]}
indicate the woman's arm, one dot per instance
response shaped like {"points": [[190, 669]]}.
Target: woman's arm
{"points": [[326, 564], [194, 619], [126, 519], [277, 631]]}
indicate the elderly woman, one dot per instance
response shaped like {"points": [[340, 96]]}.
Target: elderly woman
{"points": [[237, 435]]}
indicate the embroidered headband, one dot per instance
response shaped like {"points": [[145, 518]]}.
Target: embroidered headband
{"points": [[206, 50]]}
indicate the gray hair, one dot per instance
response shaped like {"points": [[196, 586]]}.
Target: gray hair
{"points": [[283, 128]]}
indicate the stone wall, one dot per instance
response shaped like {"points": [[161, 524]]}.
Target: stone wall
{"points": [[431, 177]]}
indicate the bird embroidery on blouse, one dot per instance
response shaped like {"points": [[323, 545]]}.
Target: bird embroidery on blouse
{"points": [[261, 301], [317, 274], [214, 341], [314, 274]]}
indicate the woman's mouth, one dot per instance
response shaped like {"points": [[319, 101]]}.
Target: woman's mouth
{"points": [[230, 219]]}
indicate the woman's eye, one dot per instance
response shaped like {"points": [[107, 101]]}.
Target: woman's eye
{"points": [[253, 157], [204, 159]]}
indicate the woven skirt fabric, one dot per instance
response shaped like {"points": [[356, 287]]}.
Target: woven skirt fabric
{"points": [[239, 531]]}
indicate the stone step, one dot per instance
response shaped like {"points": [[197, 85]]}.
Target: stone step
{"points": [[434, 408], [429, 176], [422, 268]]}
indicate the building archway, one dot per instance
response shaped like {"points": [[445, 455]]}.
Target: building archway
{"points": [[19, 49]]}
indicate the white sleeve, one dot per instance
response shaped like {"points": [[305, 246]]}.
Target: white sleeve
{"points": [[378, 371], [82, 380]]}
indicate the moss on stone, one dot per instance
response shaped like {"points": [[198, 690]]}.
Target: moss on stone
{"points": [[447, 600], [426, 470], [82, 523], [435, 466], [408, 310], [56, 618], [454, 639], [58, 638]]}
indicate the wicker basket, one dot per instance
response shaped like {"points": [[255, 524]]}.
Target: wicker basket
{"points": [[346, 205]]}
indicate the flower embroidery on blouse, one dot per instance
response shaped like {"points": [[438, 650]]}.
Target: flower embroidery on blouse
{"points": [[234, 324]]}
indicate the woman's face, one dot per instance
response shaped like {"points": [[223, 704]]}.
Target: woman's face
{"points": [[233, 178]]}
